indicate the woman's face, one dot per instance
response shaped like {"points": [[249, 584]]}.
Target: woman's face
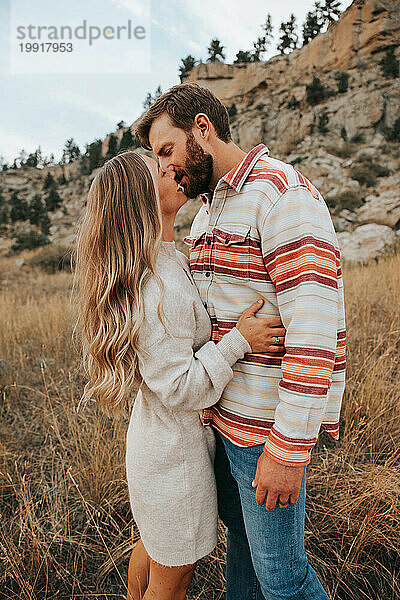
{"points": [[171, 199]]}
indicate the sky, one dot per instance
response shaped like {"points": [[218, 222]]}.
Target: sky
{"points": [[45, 109]]}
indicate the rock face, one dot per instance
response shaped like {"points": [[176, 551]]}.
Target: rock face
{"points": [[365, 242], [344, 142]]}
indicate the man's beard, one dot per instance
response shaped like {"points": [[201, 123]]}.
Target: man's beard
{"points": [[199, 168]]}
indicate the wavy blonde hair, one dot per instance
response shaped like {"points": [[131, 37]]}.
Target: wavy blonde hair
{"points": [[117, 245]]}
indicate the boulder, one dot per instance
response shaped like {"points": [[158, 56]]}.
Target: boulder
{"points": [[366, 241]]}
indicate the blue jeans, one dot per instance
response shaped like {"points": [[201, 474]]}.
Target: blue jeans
{"points": [[265, 558]]}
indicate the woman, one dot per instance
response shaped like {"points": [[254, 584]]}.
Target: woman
{"points": [[144, 326]]}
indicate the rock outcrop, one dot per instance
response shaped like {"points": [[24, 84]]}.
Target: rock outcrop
{"points": [[345, 142]]}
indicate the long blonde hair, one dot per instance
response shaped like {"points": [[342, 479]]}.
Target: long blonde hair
{"points": [[117, 246]]}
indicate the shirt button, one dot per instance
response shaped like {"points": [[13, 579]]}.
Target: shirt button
{"points": [[208, 274]]}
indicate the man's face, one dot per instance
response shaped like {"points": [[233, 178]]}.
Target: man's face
{"points": [[178, 151]]}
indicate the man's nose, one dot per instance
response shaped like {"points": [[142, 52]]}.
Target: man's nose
{"points": [[166, 166]]}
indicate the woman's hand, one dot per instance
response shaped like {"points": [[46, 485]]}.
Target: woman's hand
{"points": [[261, 333]]}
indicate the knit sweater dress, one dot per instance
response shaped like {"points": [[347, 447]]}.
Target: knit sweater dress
{"points": [[169, 453]]}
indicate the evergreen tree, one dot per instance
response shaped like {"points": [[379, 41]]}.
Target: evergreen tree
{"points": [[390, 64], [288, 38], [45, 224], [342, 79], [121, 125], [53, 200], [157, 93], [128, 141], [323, 122], [260, 46], [48, 181], [71, 151], [343, 134], [36, 210], [187, 65], [148, 101], [215, 51], [93, 154], [112, 147], [313, 24], [19, 208], [3, 209], [243, 56], [35, 159], [330, 9], [315, 91]]}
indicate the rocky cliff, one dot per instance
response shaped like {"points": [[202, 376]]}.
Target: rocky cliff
{"points": [[342, 132]]}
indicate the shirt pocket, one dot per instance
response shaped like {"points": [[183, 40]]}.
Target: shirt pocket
{"points": [[231, 251], [198, 254]]}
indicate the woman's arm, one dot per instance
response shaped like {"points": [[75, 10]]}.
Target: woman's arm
{"points": [[171, 370]]}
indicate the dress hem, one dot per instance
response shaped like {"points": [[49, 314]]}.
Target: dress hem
{"points": [[180, 562]]}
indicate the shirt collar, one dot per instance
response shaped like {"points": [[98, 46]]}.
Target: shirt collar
{"points": [[240, 172]]}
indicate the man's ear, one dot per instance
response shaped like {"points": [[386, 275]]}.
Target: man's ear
{"points": [[203, 124]]}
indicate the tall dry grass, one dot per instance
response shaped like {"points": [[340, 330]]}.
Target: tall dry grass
{"points": [[66, 527]]}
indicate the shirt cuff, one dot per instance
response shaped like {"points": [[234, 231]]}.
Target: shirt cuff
{"points": [[292, 452], [233, 346]]}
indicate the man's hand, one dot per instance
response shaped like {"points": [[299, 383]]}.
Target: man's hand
{"points": [[278, 482]]}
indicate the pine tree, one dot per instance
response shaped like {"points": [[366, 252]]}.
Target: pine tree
{"points": [[19, 208], [112, 147], [127, 140], [315, 91], [330, 9], [148, 101], [187, 65], [36, 210], [288, 38], [3, 209], [342, 79], [48, 181], [120, 124], [45, 224], [243, 56], [390, 64], [215, 50], [313, 24], [71, 151], [53, 200]]}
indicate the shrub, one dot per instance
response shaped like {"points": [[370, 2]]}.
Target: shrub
{"points": [[323, 122], [293, 103], [358, 138], [342, 79], [390, 64], [343, 134], [343, 151], [393, 134], [315, 91], [363, 174], [347, 199], [29, 241], [232, 110], [53, 258]]}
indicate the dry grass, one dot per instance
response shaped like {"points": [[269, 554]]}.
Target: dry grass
{"points": [[66, 527]]}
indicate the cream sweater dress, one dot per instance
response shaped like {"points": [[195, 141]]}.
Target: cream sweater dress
{"points": [[169, 453]]}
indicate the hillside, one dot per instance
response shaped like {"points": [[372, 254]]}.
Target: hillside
{"points": [[342, 132]]}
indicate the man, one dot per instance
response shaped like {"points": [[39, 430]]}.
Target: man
{"points": [[263, 230]]}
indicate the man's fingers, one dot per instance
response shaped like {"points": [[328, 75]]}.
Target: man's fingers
{"points": [[274, 322], [293, 498], [283, 500], [271, 501], [260, 494]]}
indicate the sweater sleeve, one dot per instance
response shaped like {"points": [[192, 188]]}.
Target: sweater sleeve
{"points": [[302, 257], [171, 369]]}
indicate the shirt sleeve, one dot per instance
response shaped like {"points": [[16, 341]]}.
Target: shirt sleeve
{"points": [[172, 370], [302, 257]]}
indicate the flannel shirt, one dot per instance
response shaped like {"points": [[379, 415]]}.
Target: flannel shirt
{"points": [[266, 231]]}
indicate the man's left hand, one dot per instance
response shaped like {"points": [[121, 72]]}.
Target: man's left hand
{"points": [[277, 482]]}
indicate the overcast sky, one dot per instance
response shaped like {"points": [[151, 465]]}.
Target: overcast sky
{"points": [[46, 109]]}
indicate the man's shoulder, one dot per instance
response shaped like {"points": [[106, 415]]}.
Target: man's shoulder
{"points": [[273, 177]]}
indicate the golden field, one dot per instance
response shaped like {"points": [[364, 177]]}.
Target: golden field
{"points": [[66, 527]]}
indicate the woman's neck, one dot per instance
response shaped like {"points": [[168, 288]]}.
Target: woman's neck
{"points": [[168, 227]]}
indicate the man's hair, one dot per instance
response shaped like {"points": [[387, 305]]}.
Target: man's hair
{"points": [[182, 103]]}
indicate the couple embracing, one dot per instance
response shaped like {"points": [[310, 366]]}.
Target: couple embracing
{"points": [[238, 354]]}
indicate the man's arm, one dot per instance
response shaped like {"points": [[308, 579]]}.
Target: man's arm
{"points": [[302, 257]]}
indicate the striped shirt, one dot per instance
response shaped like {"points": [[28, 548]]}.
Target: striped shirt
{"points": [[266, 231]]}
